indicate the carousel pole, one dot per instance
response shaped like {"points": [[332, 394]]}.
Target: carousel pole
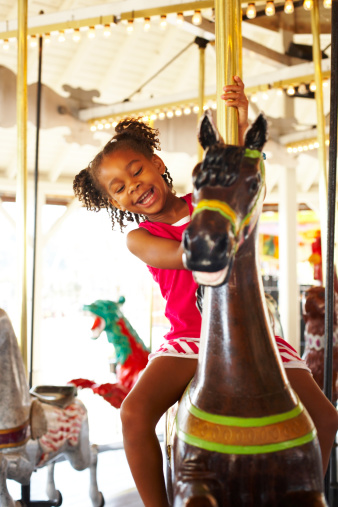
{"points": [[36, 179], [329, 287], [317, 60], [21, 193], [228, 32], [202, 44]]}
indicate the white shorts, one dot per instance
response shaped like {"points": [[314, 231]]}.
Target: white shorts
{"points": [[189, 347]]}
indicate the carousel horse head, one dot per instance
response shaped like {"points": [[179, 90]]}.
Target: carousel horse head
{"points": [[229, 188]]}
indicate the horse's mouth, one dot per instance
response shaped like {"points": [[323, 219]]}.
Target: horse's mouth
{"points": [[211, 279]]}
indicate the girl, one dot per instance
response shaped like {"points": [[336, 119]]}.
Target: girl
{"points": [[132, 182]]}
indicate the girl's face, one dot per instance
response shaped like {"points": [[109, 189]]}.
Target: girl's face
{"points": [[134, 182]]}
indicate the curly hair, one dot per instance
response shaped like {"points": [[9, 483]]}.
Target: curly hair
{"points": [[130, 133]]}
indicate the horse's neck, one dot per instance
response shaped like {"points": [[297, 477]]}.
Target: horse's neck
{"points": [[238, 361]]}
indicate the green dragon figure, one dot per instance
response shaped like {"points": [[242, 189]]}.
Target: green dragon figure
{"points": [[131, 352]]}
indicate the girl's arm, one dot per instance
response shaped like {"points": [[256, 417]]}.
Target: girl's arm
{"points": [[234, 96], [157, 252], [322, 412]]}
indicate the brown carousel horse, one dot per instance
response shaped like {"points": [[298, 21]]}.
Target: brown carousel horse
{"points": [[313, 310], [243, 437]]}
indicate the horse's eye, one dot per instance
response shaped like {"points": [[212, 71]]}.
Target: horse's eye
{"points": [[255, 184]]}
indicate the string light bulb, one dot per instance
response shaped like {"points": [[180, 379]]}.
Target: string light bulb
{"points": [[5, 45], [61, 37], [91, 32], [289, 7], [290, 90], [251, 11], [280, 91], [197, 18], [146, 25], [47, 38], [327, 4], [130, 25], [163, 21], [107, 30], [312, 86], [76, 35], [308, 4], [270, 8], [187, 110], [302, 90], [33, 41], [179, 18]]}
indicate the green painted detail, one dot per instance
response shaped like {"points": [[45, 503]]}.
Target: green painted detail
{"points": [[110, 312], [252, 153], [245, 449], [244, 422]]}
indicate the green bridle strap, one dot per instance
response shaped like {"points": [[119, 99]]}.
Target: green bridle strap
{"points": [[224, 209]]}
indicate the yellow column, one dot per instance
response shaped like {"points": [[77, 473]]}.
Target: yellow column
{"points": [[317, 60], [228, 31], [202, 44], [21, 194]]}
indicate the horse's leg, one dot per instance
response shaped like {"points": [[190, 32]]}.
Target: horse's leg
{"points": [[5, 498], [51, 491], [94, 493]]}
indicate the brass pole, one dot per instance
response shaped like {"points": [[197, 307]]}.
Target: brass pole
{"points": [[21, 194], [228, 44], [202, 44], [317, 60]]}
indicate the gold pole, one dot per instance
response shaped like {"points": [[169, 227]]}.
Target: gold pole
{"points": [[317, 60], [21, 194], [202, 44], [228, 46]]}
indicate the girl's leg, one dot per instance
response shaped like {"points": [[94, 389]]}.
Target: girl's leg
{"points": [[322, 412], [161, 384]]}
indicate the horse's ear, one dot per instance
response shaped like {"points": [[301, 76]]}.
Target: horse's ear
{"points": [[207, 132], [256, 136]]}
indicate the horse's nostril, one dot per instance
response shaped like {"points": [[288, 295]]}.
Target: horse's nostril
{"points": [[221, 243], [186, 240]]}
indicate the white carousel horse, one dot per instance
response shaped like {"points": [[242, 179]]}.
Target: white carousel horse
{"points": [[36, 430]]}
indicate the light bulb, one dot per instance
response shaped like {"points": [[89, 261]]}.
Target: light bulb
{"points": [[91, 32], [47, 38], [61, 37], [254, 98], [270, 8], [308, 4], [170, 114], [178, 112], [289, 7], [107, 30], [6, 45], [312, 86], [76, 35], [161, 115], [130, 26], [163, 22], [179, 18], [197, 18], [327, 4], [195, 109], [251, 11], [280, 91], [33, 41], [146, 25], [290, 90], [187, 110], [302, 89]]}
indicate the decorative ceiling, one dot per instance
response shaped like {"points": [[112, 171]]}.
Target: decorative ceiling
{"points": [[111, 71]]}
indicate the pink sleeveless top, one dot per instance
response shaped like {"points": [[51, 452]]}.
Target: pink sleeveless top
{"points": [[177, 285]]}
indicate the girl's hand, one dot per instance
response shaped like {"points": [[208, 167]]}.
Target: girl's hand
{"points": [[234, 96]]}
